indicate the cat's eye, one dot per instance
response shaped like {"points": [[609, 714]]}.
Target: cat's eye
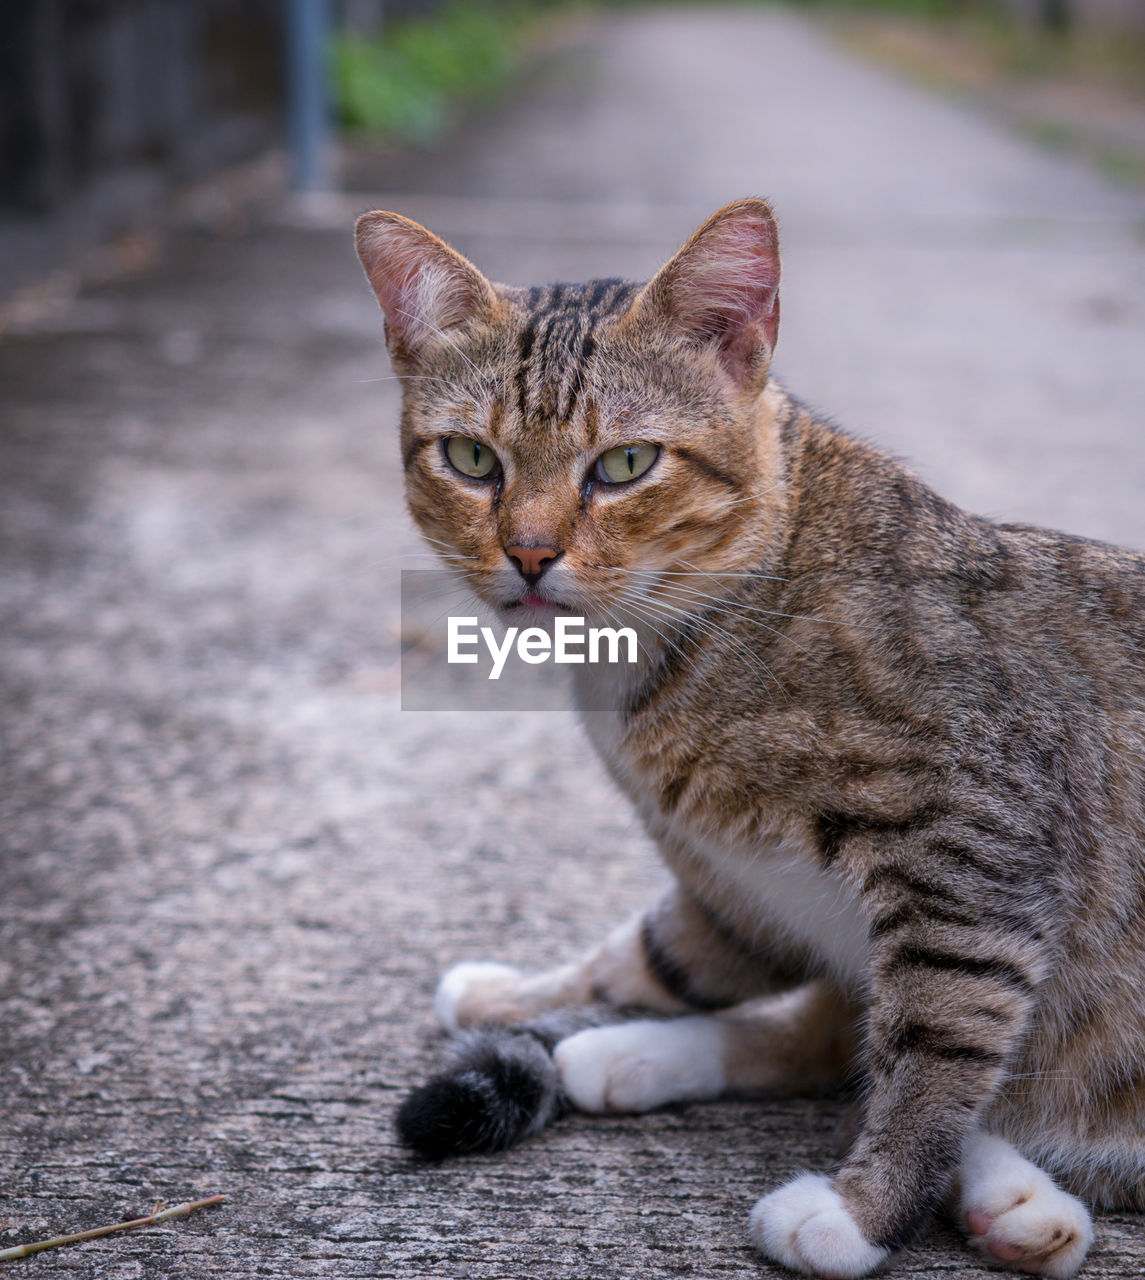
{"points": [[471, 457], [626, 463]]}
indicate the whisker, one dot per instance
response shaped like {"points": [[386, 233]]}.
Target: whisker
{"points": [[803, 617], [686, 588], [683, 573], [450, 342], [687, 595], [1040, 1075], [425, 555], [437, 542], [752, 496], [731, 605], [712, 628], [644, 617], [658, 576], [448, 547], [414, 377]]}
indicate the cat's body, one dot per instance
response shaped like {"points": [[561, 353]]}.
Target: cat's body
{"points": [[893, 754], [980, 688]]}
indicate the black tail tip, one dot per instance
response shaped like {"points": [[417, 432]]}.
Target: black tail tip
{"points": [[500, 1087]]}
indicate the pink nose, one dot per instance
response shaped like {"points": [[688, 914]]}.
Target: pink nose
{"points": [[532, 561]]}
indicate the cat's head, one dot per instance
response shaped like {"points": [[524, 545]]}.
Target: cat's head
{"points": [[585, 448]]}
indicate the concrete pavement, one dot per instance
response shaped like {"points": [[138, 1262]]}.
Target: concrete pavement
{"points": [[233, 869]]}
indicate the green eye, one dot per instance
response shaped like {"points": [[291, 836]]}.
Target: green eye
{"points": [[470, 458], [626, 463]]}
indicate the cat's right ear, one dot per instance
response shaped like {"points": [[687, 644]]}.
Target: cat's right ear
{"points": [[425, 288]]}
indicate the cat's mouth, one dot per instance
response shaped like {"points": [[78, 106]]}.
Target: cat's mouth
{"points": [[534, 600]]}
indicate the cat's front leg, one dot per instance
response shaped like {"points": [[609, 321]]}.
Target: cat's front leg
{"points": [[672, 958], [796, 1043], [946, 1007]]}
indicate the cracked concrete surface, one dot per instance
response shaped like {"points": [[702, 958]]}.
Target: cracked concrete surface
{"points": [[233, 869]]}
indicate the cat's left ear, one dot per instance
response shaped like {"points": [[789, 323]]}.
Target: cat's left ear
{"points": [[425, 288], [722, 289]]}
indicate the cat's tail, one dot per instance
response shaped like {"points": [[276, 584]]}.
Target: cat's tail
{"points": [[500, 1085]]}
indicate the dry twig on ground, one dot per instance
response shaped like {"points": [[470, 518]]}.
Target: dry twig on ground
{"points": [[176, 1211]]}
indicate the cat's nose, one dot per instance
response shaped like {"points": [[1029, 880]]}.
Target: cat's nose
{"points": [[532, 562]]}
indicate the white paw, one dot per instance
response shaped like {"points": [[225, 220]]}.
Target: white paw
{"points": [[1016, 1214], [806, 1226], [636, 1066], [478, 991]]}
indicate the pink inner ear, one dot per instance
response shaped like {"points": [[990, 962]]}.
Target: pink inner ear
{"points": [[421, 288], [730, 281]]}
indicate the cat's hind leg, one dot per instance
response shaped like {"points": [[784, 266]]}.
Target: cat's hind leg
{"points": [[799, 1042], [502, 1084], [1016, 1214], [616, 972], [673, 958]]}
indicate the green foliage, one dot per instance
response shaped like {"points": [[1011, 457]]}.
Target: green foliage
{"points": [[407, 83]]}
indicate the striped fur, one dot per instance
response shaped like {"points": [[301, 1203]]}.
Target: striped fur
{"points": [[886, 747]]}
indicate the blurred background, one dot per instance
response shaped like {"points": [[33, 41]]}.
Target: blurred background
{"points": [[110, 105], [231, 867], [125, 121]]}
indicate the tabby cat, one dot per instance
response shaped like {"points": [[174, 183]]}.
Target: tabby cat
{"points": [[892, 753]]}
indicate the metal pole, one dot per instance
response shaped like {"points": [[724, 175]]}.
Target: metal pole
{"points": [[308, 112]]}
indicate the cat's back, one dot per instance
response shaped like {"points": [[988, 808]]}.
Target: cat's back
{"points": [[1087, 595], [877, 547]]}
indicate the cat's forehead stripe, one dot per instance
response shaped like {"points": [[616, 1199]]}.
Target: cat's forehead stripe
{"points": [[557, 340], [596, 298]]}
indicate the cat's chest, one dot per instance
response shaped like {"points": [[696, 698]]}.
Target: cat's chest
{"points": [[773, 889], [762, 886]]}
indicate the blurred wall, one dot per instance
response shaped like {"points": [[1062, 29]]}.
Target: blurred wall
{"points": [[95, 93], [107, 105], [1083, 15]]}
